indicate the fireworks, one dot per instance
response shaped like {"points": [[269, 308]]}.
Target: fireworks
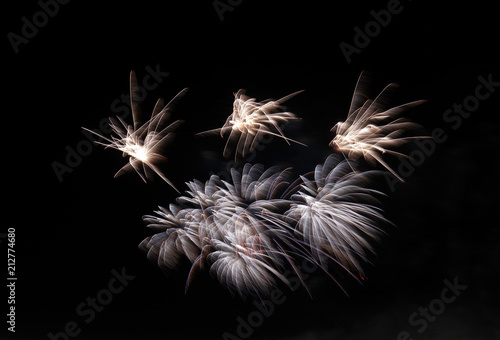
{"points": [[234, 227], [142, 142], [250, 121], [247, 231], [335, 213], [371, 130]]}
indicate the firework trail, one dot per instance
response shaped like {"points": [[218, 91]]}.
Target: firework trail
{"points": [[250, 121], [142, 142], [370, 129]]}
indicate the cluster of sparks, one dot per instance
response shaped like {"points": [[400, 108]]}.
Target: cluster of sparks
{"points": [[250, 121], [370, 129], [142, 142], [246, 232]]}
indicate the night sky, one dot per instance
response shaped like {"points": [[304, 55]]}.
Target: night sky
{"points": [[78, 229]]}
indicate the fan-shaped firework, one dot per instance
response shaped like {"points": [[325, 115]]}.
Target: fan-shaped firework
{"points": [[335, 215], [142, 142], [247, 231], [250, 121], [184, 228], [370, 129], [237, 228]]}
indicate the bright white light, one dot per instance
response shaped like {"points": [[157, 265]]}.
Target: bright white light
{"points": [[142, 143], [250, 121], [370, 129]]}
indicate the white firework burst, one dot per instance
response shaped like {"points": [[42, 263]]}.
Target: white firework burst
{"points": [[248, 257], [248, 232], [142, 142], [185, 229], [179, 236], [246, 260], [236, 228], [370, 129], [335, 215], [251, 120]]}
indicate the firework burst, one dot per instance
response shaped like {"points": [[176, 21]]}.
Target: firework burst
{"points": [[370, 129], [142, 142], [247, 231], [250, 121], [184, 229], [237, 229], [335, 214]]}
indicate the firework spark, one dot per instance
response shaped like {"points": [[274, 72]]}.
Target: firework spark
{"points": [[370, 129], [142, 142], [335, 215], [251, 120]]}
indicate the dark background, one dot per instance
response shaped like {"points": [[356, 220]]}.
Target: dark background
{"points": [[71, 234]]}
